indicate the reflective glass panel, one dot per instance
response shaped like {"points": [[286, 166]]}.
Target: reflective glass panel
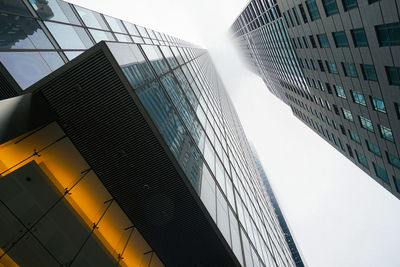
{"points": [[54, 10], [131, 28], [22, 33], [169, 56], [101, 35], [115, 24], [156, 58], [91, 18], [69, 37]]}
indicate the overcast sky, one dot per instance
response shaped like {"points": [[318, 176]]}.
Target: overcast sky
{"points": [[339, 216]]}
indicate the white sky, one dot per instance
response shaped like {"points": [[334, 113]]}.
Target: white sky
{"points": [[338, 214]]}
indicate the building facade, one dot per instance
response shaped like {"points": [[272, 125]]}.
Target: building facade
{"points": [[336, 64], [119, 146], [294, 250]]}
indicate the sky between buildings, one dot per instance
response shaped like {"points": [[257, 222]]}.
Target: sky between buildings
{"points": [[338, 214]]}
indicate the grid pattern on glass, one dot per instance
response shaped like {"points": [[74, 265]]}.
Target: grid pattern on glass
{"points": [[366, 124], [386, 133], [358, 97]]}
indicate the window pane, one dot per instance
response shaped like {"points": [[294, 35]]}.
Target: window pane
{"points": [[313, 10], [369, 72], [359, 37], [373, 148], [349, 4], [115, 24], [330, 7], [388, 34], [366, 124], [156, 59], [55, 10], [393, 75], [142, 31], [386, 133], [101, 35], [26, 67], [132, 63], [22, 33], [395, 161], [14, 6], [362, 159], [358, 98], [354, 136], [69, 37], [340, 91], [381, 173], [123, 38], [349, 69], [131, 28], [347, 114], [340, 39], [91, 18], [332, 67], [378, 104], [323, 40]]}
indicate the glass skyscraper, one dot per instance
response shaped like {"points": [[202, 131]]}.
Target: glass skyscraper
{"points": [[119, 146], [335, 63]]}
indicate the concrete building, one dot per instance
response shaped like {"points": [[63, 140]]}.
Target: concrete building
{"points": [[336, 63]]}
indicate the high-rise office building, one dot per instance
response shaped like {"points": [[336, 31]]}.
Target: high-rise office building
{"points": [[289, 237], [336, 64], [119, 146]]}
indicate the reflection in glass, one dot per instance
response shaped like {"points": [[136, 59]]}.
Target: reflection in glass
{"points": [[115, 24], [54, 10], [72, 54], [177, 55], [14, 6], [26, 67], [156, 59], [19, 32], [132, 63], [123, 38], [131, 28], [169, 56], [91, 18], [69, 37], [101, 35], [142, 31]]}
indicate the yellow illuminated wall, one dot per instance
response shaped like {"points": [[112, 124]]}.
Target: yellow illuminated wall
{"points": [[63, 164]]}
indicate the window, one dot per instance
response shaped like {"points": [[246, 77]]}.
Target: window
{"points": [[335, 108], [349, 4], [341, 144], [358, 97], [386, 133], [296, 16], [303, 13], [369, 72], [381, 173], [378, 104], [359, 37], [323, 40], [395, 161], [334, 124], [286, 20], [331, 67], [91, 18], [347, 114], [291, 18], [328, 88], [354, 136], [388, 34], [362, 159], [69, 37], [373, 148], [397, 183], [312, 40], [312, 10], [299, 42], [330, 7], [305, 42], [340, 91], [313, 64], [349, 69], [342, 129], [366, 124], [321, 65], [393, 74], [340, 39]]}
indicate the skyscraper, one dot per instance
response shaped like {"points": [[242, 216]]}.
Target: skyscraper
{"points": [[289, 237], [336, 64], [119, 146]]}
